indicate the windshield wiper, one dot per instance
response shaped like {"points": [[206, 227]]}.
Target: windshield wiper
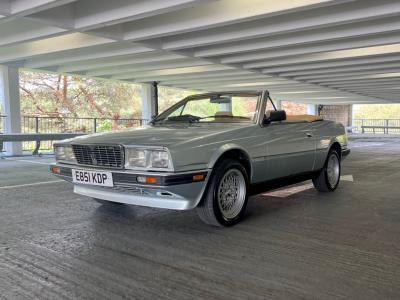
{"points": [[184, 118], [225, 116]]}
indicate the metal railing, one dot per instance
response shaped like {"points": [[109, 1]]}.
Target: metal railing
{"points": [[385, 126], [39, 124]]}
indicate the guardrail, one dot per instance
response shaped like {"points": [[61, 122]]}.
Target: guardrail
{"points": [[384, 126], [38, 124], [41, 124], [35, 137]]}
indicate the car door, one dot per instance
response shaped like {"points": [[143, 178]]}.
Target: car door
{"points": [[290, 148]]}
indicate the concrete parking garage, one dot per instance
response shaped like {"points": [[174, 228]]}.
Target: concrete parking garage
{"points": [[294, 243]]}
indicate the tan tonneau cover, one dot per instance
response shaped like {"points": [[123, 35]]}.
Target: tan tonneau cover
{"points": [[303, 118]]}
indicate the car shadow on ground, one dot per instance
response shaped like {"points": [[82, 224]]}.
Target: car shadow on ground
{"points": [[138, 216], [259, 207], [263, 205]]}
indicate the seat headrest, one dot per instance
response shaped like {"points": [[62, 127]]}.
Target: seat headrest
{"points": [[223, 113]]}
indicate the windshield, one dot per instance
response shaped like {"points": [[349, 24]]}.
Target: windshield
{"points": [[229, 108]]}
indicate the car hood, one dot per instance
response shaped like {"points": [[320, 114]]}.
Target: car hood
{"points": [[160, 135]]}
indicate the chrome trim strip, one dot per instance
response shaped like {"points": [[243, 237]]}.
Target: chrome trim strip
{"points": [[129, 171]]}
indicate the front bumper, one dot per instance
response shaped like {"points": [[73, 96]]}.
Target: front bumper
{"points": [[173, 191], [345, 153]]}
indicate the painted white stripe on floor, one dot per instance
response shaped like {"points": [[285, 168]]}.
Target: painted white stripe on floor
{"points": [[366, 144], [283, 193], [33, 162], [29, 184], [347, 178], [29, 161]]}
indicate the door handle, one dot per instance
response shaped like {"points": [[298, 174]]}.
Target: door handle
{"points": [[309, 134]]}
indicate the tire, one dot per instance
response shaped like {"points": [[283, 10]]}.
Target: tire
{"points": [[218, 207], [108, 203], [328, 178]]}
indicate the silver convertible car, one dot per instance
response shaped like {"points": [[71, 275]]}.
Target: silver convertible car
{"points": [[209, 152]]}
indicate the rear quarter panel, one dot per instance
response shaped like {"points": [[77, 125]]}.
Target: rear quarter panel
{"points": [[327, 133]]}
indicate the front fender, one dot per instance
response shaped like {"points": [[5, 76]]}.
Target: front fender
{"points": [[228, 147], [223, 149]]}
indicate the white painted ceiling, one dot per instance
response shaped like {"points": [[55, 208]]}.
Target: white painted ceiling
{"points": [[312, 51]]}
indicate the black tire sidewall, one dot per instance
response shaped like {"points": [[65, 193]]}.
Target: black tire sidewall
{"points": [[220, 171], [328, 184]]}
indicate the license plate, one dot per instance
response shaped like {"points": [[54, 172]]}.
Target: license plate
{"points": [[92, 177]]}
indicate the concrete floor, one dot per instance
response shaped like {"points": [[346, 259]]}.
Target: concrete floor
{"points": [[301, 244]]}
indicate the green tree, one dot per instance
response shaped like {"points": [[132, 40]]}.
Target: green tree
{"points": [[168, 96], [63, 95], [376, 111]]}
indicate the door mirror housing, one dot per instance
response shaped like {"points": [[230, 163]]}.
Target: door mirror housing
{"points": [[152, 119], [275, 116]]}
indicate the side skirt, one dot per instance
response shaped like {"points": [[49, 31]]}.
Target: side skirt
{"points": [[274, 184]]}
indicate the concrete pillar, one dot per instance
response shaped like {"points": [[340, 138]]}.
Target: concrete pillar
{"points": [[10, 103], [312, 109], [350, 115], [226, 107], [148, 101]]}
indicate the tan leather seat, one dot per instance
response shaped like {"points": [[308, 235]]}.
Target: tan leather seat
{"points": [[222, 119], [302, 118], [223, 113]]}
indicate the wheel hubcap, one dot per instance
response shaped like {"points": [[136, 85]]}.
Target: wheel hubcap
{"points": [[231, 194], [333, 170]]}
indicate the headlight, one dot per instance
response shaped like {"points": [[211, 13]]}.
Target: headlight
{"points": [[135, 158], [159, 159], [139, 158], [64, 153]]}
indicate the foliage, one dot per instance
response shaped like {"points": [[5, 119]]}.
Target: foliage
{"points": [[169, 96], [58, 95], [293, 108], [105, 125], [376, 111], [63, 95]]}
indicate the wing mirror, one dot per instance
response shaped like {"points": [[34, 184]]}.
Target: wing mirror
{"points": [[153, 119], [275, 116]]}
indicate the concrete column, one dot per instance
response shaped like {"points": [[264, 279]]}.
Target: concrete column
{"points": [[10, 103], [226, 107], [312, 109], [350, 116], [148, 101]]}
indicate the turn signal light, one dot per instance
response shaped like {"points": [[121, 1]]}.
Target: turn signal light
{"points": [[56, 170], [147, 179], [198, 177], [151, 180]]}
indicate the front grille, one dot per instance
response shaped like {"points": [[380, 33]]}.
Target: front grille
{"points": [[109, 156]]}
